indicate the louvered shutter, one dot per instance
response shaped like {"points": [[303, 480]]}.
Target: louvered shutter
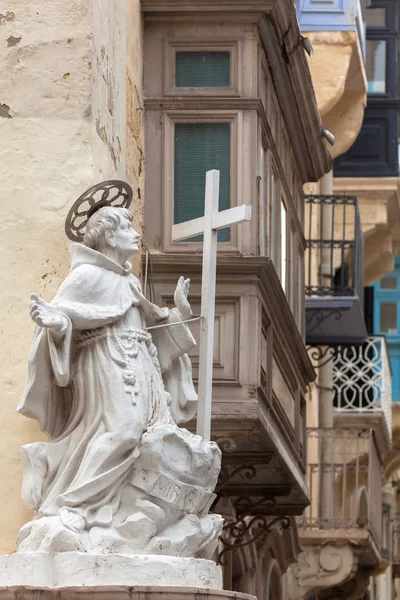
{"points": [[200, 147], [202, 69]]}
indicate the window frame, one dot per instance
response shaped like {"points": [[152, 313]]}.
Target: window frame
{"points": [[391, 23], [389, 298], [388, 33], [390, 74], [234, 117], [172, 46]]}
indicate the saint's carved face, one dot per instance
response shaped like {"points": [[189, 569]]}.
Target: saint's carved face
{"points": [[125, 239]]}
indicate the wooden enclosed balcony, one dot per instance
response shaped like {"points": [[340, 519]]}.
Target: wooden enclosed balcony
{"points": [[260, 372]]}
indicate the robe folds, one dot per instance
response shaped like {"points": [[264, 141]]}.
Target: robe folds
{"points": [[98, 385]]}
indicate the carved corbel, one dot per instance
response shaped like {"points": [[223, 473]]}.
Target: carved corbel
{"points": [[320, 567], [351, 590]]}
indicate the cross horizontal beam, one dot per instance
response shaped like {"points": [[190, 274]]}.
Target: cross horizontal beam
{"points": [[219, 220]]}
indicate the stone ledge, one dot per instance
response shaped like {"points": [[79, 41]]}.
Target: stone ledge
{"points": [[122, 593], [67, 570]]}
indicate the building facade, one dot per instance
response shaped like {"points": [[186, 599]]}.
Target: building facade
{"points": [[157, 92], [352, 399]]}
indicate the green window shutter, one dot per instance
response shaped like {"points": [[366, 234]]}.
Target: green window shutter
{"points": [[202, 69], [200, 147]]}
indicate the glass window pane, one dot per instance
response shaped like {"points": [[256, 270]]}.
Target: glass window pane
{"points": [[388, 320], [389, 283], [283, 246], [375, 17], [273, 220], [376, 66], [200, 147], [202, 69]]}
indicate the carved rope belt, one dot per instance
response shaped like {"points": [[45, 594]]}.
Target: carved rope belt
{"points": [[128, 337], [122, 345]]}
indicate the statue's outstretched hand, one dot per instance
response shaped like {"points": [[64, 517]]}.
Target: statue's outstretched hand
{"points": [[44, 314], [180, 298]]}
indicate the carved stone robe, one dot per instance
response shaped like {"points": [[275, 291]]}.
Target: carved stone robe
{"points": [[98, 387]]}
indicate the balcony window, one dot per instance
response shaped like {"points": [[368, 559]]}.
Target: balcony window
{"points": [[376, 17], [200, 147], [273, 220], [202, 69], [389, 283], [283, 246], [376, 66], [388, 317]]}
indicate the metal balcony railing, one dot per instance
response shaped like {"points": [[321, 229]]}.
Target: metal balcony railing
{"points": [[395, 554], [334, 256], [343, 476], [362, 380]]}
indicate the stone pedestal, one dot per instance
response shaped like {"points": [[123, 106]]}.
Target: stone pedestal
{"points": [[79, 576]]}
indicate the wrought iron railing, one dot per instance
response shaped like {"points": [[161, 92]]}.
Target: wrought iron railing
{"points": [[343, 476], [334, 256], [362, 379]]}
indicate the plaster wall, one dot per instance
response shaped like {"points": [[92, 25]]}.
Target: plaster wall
{"points": [[63, 124], [109, 88]]}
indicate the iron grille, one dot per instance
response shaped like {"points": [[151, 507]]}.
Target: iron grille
{"points": [[334, 259]]}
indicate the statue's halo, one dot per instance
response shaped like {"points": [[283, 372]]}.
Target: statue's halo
{"points": [[107, 193]]}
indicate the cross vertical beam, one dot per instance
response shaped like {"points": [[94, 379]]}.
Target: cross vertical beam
{"points": [[207, 311], [209, 226]]}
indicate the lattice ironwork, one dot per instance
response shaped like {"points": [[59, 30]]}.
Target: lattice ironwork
{"points": [[362, 379]]}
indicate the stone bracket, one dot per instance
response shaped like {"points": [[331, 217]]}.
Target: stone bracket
{"points": [[322, 566]]}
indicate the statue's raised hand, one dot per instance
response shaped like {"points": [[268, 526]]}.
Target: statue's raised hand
{"points": [[45, 315], [180, 298]]}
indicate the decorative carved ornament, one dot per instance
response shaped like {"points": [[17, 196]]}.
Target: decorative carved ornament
{"points": [[320, 567]]}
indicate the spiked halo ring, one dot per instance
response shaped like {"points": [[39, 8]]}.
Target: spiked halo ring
{"points": [[107, 193]]}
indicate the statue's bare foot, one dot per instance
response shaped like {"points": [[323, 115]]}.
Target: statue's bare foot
{"points": [[72, 520]]}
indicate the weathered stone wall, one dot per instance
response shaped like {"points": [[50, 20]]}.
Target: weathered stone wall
{"points": [[63, 114], [109, 87]]}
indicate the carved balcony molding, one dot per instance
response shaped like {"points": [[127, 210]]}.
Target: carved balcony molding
{"points": [[245, 269], [353, 589], [321, 566]]}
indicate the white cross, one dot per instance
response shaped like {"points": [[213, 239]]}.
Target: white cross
{"points": [[209, 225]]}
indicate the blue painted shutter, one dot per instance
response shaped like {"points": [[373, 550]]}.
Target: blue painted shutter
{"points": [[387, 291], [202, 69], [200, 147]]}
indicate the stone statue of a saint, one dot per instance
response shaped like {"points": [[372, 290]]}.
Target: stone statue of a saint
{"points": [[119, 475]]}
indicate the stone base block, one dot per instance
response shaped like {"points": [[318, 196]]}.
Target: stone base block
{"points": [[123, 593], [79, 576], [75, 569]]}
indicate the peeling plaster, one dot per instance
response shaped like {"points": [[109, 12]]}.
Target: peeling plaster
{"points": [[13, 41], [5, 111], [9, 16]]}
